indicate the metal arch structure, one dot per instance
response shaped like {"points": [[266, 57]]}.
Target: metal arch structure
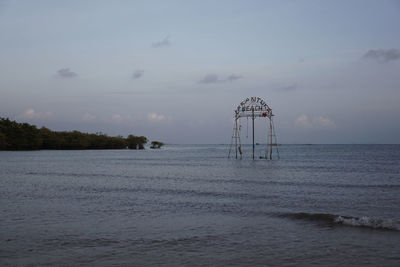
{"points": [[253, 107]]}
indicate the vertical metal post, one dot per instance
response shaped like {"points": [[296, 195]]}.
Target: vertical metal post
{"points": [[236, 132], [270, 131], [276, 141], [253, 129], [266, 143]]}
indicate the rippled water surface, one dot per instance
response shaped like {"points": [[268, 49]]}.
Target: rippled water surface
{"points": [[190, 205]]}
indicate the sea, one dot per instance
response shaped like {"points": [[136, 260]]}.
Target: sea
{"points": [[191, 205]]}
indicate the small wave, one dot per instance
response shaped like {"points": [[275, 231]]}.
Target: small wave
{"points": [[71, 241], [183, 241], [217, 180], [368, 222], [365, 221]]}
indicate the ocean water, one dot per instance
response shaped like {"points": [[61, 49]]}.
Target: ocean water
{"points": [[190, 205]]}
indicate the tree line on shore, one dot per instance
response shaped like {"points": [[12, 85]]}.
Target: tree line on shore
{"points": [[24, 136]]}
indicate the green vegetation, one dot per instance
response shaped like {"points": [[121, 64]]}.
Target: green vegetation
{"points": [[136, 142], [23, 136], [156, 144]]}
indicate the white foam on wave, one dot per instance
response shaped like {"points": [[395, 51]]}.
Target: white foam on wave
{"points": [[368, 222]]}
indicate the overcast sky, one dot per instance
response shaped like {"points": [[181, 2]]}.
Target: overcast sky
{"points": [[175, 70]]}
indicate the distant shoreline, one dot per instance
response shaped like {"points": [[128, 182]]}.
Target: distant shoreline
{"points": [[16, 136]]}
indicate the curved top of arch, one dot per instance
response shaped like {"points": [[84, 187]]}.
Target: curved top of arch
{"points": [[253, 106]]}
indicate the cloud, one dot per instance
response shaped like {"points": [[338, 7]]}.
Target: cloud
{"points": [[137, 74], [32, 114], [88, 117], [383, 55], [210, 78], [290, 87], [162, 43], [66, 73], [303, 122], [116, 118], [213, 78], [155, 117], [324, 122], [317, 122], [233, 77]]}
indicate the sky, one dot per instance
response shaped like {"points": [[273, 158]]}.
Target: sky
{"points": [[175, 71]]}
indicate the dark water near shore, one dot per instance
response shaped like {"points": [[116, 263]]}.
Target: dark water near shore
{"points": [[190, 205]]}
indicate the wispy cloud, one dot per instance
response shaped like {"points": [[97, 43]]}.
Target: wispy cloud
{"points": [[32, 114], [317, 122], [155, 117], [137, 74], [290, 87], [303, 122], [214, 78], [323, 122], [383, 55], [116, 118], [164, 42], [66, 73], [210, 78], [233, 77], [88, 117]]}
